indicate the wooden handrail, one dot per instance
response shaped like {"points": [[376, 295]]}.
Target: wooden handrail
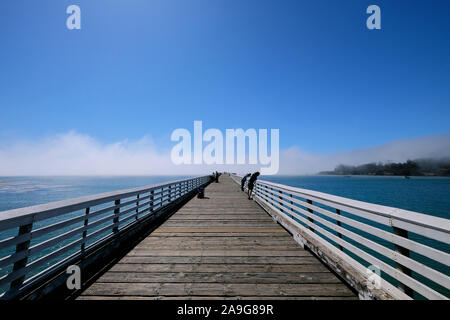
{"points": [[71, 224], [315, 213]]}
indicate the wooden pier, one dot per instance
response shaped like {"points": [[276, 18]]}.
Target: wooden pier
{"points": [[162, 242], [220, 247]]}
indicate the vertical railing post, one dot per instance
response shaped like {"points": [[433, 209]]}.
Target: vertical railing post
{"points": [[292, 204], [311, 211], [86, 222], [152, 197], [170, 193], [137, 207], [116, 216], [338, 212], [403, 251], [271, 197], [175, 192], [24, 229], [281, 198]]}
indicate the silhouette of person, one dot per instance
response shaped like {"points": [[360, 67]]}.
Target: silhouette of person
{"points": [[251, 184], [243, 180]]}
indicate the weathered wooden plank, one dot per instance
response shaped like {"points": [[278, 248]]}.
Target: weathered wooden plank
{"points": [[211, 243], [221, 260], [221, 277], [218, 253], [219, 238], [224, 217], [215, 246], [217, 268], [217, 230], [272, 235], [217, 289], [217, 214], [219, 224]]}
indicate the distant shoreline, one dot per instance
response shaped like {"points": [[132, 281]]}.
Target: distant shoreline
{"points": [[331, 173], [410, 168]]}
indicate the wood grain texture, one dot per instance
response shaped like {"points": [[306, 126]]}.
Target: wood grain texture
{"points": [[220, 247]]}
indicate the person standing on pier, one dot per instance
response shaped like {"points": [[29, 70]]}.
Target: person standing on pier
{"points": [[243, 180], [251, 184], [217, 176]]}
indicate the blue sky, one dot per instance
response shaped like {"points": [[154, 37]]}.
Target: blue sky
{"points": [[310, 68]]}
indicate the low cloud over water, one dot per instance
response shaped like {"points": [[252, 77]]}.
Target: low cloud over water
{"points": [[296, 161], [73, 153]]}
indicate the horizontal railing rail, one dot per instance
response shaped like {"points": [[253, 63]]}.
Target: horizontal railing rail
{"points": [[36, 239], [378, 235]]}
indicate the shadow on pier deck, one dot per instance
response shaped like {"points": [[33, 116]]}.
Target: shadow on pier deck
{"points": [[223, 246]]}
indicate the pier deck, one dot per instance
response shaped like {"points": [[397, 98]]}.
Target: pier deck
{"points": [[223, 246]]}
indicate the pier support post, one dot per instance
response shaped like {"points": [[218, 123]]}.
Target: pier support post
{"points": [[292, 209], [271, 192], [86, 221], [338, 212], [403, 233], [137, 207], [116, 216], [24, 229], [152, 193], [281, 198], [309, 218]]}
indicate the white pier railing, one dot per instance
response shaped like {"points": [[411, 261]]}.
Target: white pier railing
{"points": [[410, 249], [34, 240]]}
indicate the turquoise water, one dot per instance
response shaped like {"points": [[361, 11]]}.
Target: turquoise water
{"points": [[428, 195], [18, 192], [421, 194]]}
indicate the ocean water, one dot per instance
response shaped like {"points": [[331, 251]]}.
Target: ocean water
{"points": [[428, 195], [18, 192]]}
